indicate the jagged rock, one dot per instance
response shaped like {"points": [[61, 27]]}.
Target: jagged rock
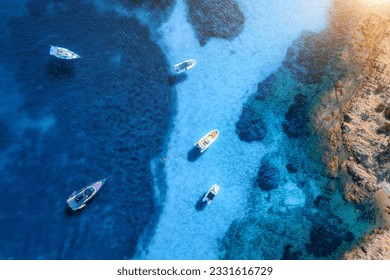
{"points": [[380, 108], [215, 18], [250, 127], [347, 118], [384, 129], [375, 246], [361, 177], [346, 128], [353, 193], [386, 113], [335, 138], [332, 164], [296, 119], [383, 158], [361, 152], [267, 176]]}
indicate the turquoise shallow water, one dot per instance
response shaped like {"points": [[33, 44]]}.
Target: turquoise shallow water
{"points": [[121, 113]]}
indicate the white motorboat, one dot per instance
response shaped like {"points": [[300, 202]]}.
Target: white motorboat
{"points": [[185, 65], [207, 140], [78, 199], [211, 194]]}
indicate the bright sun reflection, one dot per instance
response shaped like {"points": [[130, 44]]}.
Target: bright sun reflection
{"points": [[379, 1]]}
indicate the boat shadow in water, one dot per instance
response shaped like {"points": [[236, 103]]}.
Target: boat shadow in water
{"points": [[177, 79], [193, 154], [200, 205], [70, 213], [58, 70]]}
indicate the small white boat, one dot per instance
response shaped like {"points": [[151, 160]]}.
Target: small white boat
{"points": [[211, 194], [207, 140], [63, 53], [78, 200], [185, 65]]}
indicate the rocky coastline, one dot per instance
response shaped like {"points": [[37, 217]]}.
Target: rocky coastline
{"points": [[333, 90], [352, 122]]}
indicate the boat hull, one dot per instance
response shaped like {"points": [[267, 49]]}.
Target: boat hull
{"points": [[209, 196], [78, 200], [185, 65], [63, 53], [206, 141]]}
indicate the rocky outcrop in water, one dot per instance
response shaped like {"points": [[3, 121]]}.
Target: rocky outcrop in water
{"points": [[346, 125], [250, 127], [268, 176], [296, 118], [355, 130], [327, 233], [215, 19], [374, 246]]}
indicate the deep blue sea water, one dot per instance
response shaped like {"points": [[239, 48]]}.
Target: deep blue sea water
{"points": [[120, 113], [65, 124]]}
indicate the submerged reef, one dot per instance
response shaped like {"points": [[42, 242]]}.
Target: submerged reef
{"points": [[149, 4], [268, 176], [215, 19], [296, 119], [250, 127], [327, 233], [159, 10]]}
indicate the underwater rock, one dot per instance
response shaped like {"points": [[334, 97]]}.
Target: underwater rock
{"points": [[215, 18], [307, 59], [291, 168], [331, 186], [349, 237], [289, 254], [150, 4], [321, 202], [264, 88], [267, 176], [250, 127], [296, 119], [326, 235]]}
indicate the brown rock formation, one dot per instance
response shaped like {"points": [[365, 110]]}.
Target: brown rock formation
{"points": [[375, 246], [353, 193], [351, 119]]}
